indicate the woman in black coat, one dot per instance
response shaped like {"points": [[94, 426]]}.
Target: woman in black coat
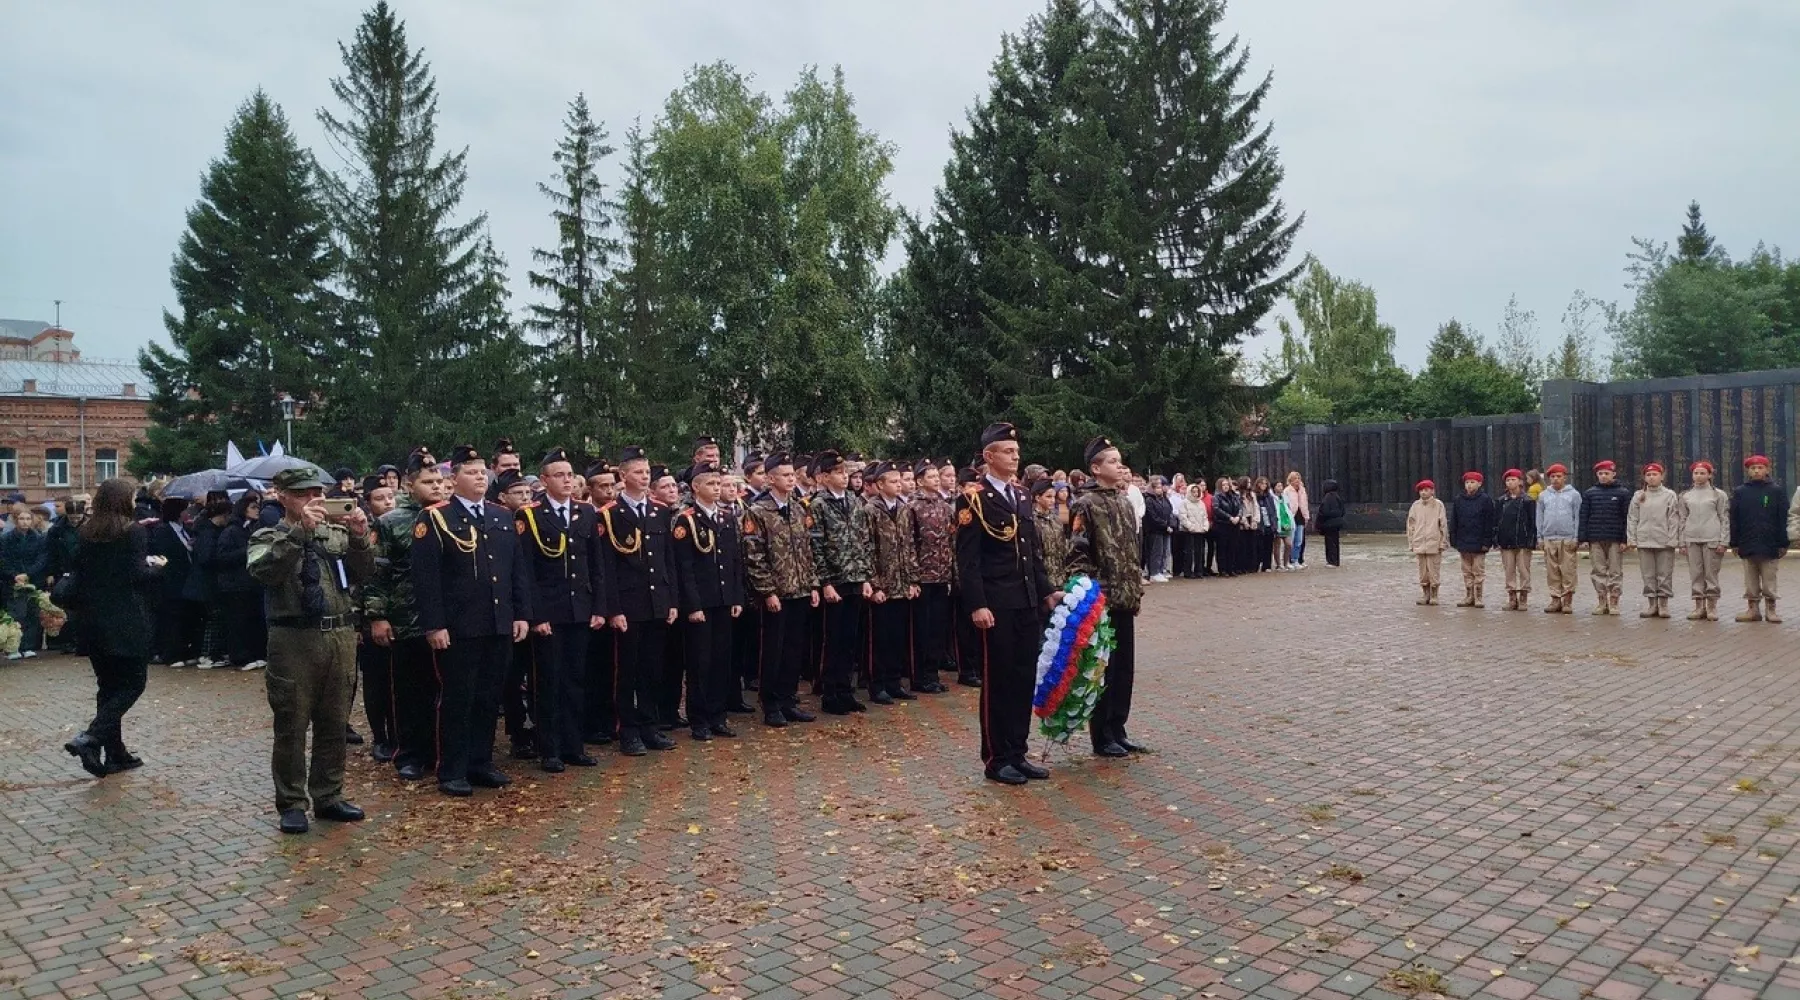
{"points": [[112, 588], [240, 596], [1330, 520]]}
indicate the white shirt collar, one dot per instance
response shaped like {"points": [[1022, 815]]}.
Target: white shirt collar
{"points": [[1004, 487]]}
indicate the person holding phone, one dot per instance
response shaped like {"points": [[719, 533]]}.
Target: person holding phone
{"points": [[307, 563]]}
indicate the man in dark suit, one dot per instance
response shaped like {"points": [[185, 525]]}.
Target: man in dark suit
{"points": [[705, 540], [1001, 571], [179, 621], [640, 599], [473, 597], [562, 552]]}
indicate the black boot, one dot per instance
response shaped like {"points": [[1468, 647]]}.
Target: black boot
{"points": [[87, 749], [120, 759]]}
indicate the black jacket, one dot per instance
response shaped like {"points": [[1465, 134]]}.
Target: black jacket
{"points": [[203, 576], [1472, 522], [1266, 501], [641, 581], [1330, 513], [164, 542], [998, 563], [63, 539], [231, 560], [473, 594], [565, 562], [1603, 513], [1516, 522], [1159, 514], [1759, 520], [1225, 507], [113, 592], [707, 559]]}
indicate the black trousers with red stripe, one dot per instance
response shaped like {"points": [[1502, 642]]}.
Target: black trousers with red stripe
{"points": [[376, 664], [470, 675], [707, 646], [641, 649], [890, 625], [599, 720], [930, 632], [558, 668], [783, 653], [843, 643], [415, 690], [1008, 673]]}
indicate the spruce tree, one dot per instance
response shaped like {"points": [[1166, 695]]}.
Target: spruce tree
{"points": [[410, 268], [1695, 245], [253, 307]]}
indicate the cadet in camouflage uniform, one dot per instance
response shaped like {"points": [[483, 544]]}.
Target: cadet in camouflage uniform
{"points": [[934, 552], [841, 553], [1052, 534], [393, 619], [895, 583], [1105, 546], [778, 560], [307, 564]]}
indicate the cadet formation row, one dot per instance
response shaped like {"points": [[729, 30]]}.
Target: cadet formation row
{"points": [[1609, 520]]}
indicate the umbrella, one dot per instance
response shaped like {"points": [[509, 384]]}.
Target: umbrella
{"points": [[197, 484], [266, 466]]}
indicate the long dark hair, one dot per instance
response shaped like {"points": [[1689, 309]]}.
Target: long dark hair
{"points": [[240, 511], [111, 513]]}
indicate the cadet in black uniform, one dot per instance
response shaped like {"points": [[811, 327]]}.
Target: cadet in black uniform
{"points": [[598, 720], [641, 599], [474, 601], [1003, 586], [563, 553], [705, 539]]}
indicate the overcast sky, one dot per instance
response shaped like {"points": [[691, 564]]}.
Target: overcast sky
{"points": [[1448, 154]]}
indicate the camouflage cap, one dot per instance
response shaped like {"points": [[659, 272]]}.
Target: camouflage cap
{"points": [[302, 477]]}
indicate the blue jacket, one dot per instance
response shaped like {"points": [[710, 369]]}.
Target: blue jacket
{"points": [[1759, 520], [1473, 520], [1604, 510]]}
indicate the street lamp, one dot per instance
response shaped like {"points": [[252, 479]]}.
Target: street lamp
{"points": [[286, 402]]}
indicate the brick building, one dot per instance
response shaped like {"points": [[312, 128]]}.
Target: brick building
{"points": [[65, 424]]}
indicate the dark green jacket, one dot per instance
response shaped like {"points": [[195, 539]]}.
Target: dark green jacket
{"points": [[1104, 544], [275, 561], [388, 596], [841, 543]]}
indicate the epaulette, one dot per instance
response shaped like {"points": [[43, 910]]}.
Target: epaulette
{"points": [[610, 504], [440, 503], [533, 503]]}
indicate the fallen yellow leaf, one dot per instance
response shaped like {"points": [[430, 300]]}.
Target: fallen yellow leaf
{"points": [[693, 828]]}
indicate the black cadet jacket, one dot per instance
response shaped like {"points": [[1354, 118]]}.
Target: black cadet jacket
{"points": [[640, 570], [998, 562], [1604, 510], [466, 571], [565, 562], [707, 559]]}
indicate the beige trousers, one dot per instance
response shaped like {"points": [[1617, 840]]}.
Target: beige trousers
{"points": [[1474, 568], [1657, 567], [1703, 571], [1609, 567], [1429, 569], [1559, 566], [1759, 579], [1517, 565]]}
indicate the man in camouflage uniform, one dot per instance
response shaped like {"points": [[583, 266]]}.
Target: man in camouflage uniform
{"points": [[895, 582], [934, 552], [778, 560], [393, 619], [1104, 544], [1052, 534], [840, 548], [307, 563]]}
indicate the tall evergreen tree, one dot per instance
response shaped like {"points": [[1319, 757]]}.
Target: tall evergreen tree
{"points": [[410, 269], [1695, 244], [574, 271], [252, 302]]}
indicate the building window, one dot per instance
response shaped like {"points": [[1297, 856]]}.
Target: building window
{"points": [[106, 464], [56, 467], [9, 467]]}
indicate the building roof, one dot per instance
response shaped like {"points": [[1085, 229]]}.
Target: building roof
{"points": [[71, 379], [22, 328]]}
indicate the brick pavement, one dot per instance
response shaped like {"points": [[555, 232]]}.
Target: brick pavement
{"points": [[1351, 795]]}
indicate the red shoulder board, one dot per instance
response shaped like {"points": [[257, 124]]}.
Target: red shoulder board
{"points": [[440, 503]]}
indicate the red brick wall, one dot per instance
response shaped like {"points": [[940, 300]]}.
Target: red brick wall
{"points": [[30, 425]]}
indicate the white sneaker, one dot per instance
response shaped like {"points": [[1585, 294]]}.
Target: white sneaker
{"points": [[254, 665], [204, 663], [1160, 578], [29, 654], [15, 656]]}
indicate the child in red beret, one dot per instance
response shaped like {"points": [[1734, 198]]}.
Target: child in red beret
{"points": [[1653, 527], [1604, 508], [1705, 512], [1759, 533], [1472, 519], [1427, 536], [1516, 535]]}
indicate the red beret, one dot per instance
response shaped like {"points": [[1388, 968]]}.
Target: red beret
{"points": [[1604, 465], [1757, 460], [1424, 484], [1655, 467], [1702, 464], [1511, 474], [1558, 469], [1473, 476]]}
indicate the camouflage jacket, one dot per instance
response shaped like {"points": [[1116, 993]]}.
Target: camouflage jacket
{"points": [[934, 538], [1104, 545], [840, 538], [388, 596], [277, 561], [895, 561], [1053, 538], [778, 554]]}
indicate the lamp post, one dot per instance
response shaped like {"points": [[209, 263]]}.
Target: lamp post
{"points": [[286, 403]]}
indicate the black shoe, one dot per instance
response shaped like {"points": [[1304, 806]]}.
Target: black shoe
{"points": [[553, 765], [120, 759], [352, 737], [524, 751], [774, 720], [1111, 749], [582, 760], [410, 772], [857, 706], [597, 739], [932, 687], [1033, 771], [740, 707], [457, 789], [632, 746], [293, 821], [382, 753], [901, 694], [339, 812], [1131, 747], [723, 730], [665, 727], [794, 713], [1006, 774], [700, 734], [657, 741], [487, 777], [968, 680], [835, 706], [882, 698], [88, 750]]}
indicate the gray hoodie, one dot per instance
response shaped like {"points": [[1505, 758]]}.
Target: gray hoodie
{"points": [[1559, 514]]}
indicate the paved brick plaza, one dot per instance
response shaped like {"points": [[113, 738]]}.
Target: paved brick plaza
{"points": [[1352, 796]]}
